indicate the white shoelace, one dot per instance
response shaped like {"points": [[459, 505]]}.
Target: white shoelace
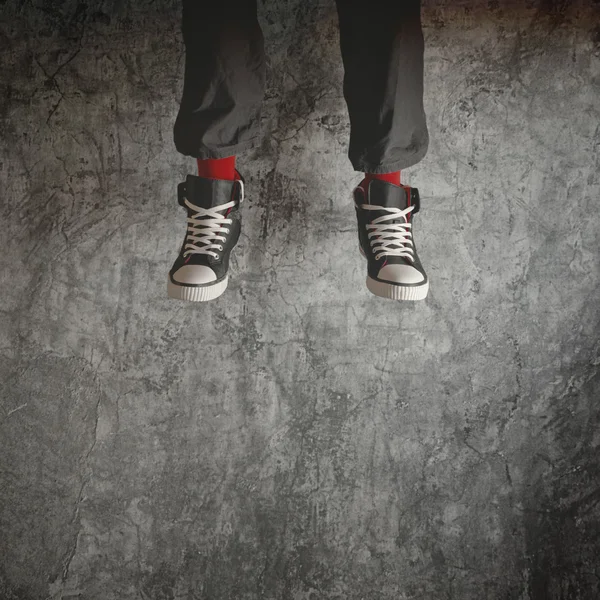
{"points": [[205, 227], [391, 239]]}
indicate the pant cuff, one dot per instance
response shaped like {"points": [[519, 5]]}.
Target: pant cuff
{"points": [[408, 160], [399, 165], [223, 151]]}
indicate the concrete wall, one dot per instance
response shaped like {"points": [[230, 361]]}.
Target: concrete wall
{"points": [[299, 439]]}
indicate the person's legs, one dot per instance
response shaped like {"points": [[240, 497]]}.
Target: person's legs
{"points": [[218, 118], [382, 51], [224, 79]]}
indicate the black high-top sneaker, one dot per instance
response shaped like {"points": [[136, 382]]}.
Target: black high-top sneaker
{"points": [[385, 214], [214, 224]]}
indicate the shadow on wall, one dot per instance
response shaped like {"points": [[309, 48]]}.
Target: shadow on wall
{"points": [[551, 13], [66, 18]]}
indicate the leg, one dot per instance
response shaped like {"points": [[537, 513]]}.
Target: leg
{"points": [[218, 118], [382, 51], [224, 79]]}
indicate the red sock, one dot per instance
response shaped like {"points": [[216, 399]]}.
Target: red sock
{"points": [[217, 168], [393, 177]]}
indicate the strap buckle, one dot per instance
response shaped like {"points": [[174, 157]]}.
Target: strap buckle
{"points": [[241, 190], [181, 191], [415, 200]]}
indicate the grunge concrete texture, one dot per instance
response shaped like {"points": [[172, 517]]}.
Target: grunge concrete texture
{"points": [[299, 439]]}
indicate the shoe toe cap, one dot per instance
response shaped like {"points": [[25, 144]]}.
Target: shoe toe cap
{"points": [[400, 274], [194, 275]]}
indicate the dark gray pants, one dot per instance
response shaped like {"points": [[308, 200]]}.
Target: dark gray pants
{"points": [[382, 52]]}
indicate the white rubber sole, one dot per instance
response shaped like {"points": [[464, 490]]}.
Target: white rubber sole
{"points": [[197, 294], [397, 292]]}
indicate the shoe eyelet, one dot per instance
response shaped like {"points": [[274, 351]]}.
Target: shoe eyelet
{"points": [[220, 248]]}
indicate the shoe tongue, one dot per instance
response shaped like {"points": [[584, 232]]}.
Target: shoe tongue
{"points": [[208, 193], [388, 195]]}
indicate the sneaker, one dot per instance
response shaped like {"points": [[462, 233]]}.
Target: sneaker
{"points": [[214, 223], [385, 214]]}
